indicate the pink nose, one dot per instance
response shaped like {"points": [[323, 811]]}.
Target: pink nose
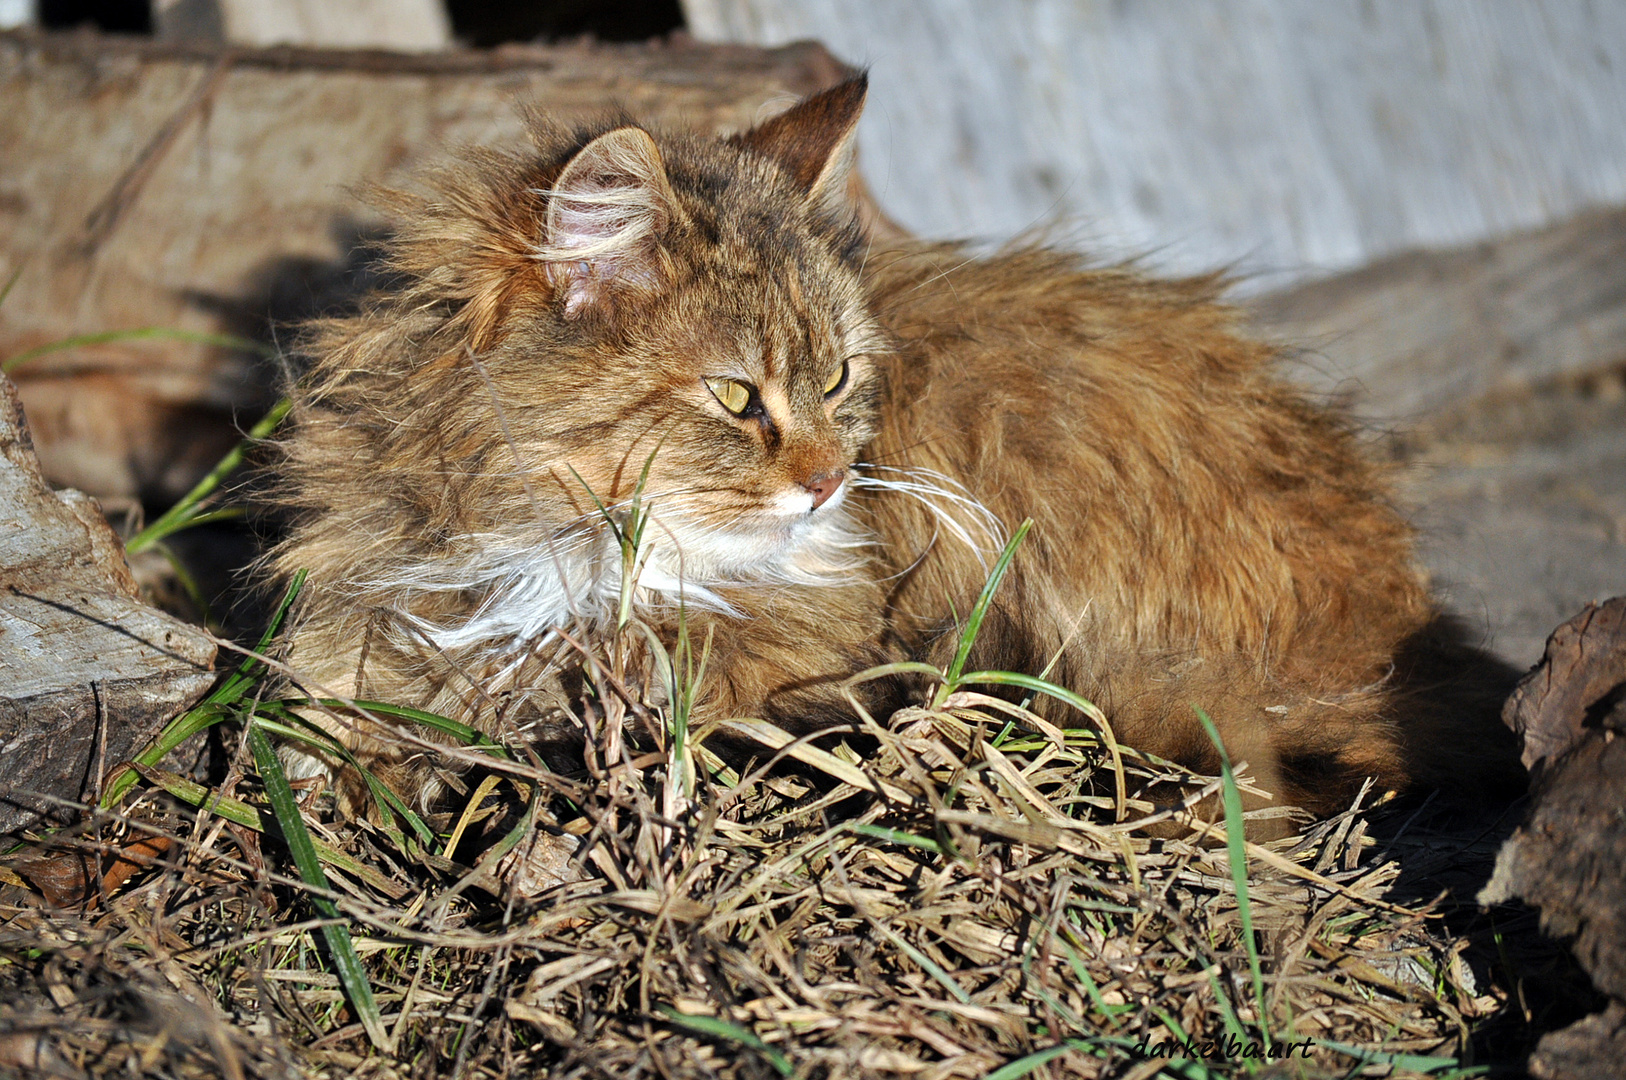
{"points": [[824, 485]]}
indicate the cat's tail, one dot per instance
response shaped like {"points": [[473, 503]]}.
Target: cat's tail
{"points": [[1432, 723]]}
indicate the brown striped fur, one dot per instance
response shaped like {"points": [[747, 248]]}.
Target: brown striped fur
{"points": [[1203, 534]]}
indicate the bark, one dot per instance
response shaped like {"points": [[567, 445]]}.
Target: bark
{"points": [[1569, 858], [88, 674]]}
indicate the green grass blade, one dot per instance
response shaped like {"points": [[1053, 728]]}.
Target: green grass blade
{"points": [[177, 731], [1076, 962], [1037, 685], [1175, 1027], [1012, 1070], [1236, 850], [927, 964], [1407, 1062], [352, 976], [225, 513], [514, 835], [630, 538], [195, 794], [248, 670], [722, 1029], [292, 726], [11, 283], [893, 836], [902, 667], [189, 584], [603, 511], [1188, 1068], [185, 513], [1228, 1016], [973, 625], [1043, 686], [461, 732], [241, 813], [145, 333], [214, 708]]}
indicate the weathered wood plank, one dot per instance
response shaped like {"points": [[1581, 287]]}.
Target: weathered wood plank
{"points": [[1423, 331], [371, 24]]}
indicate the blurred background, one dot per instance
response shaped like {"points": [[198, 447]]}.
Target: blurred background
{"points": [[1425, 200]]}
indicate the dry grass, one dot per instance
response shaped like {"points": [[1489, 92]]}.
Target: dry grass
{"points": [[965, 891]]}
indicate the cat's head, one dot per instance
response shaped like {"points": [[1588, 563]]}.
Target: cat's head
{"points": [[690, 305]]}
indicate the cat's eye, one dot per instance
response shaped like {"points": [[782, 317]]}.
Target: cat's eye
{"points": [[837, 379], [734, 395]]}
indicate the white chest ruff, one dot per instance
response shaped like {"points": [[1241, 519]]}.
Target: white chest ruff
{"points": [[530, 594]]}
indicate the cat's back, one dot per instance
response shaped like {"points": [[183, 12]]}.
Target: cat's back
{"points": [[1183, 494]]}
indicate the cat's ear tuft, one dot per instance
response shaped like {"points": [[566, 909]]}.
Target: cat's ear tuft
{"points": [[605, 217], [813, 140]]}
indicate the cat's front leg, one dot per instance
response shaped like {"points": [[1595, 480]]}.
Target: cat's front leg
{"points": [[789, 656]]}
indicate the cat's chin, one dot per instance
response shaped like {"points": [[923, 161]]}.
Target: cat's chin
{"points": [[802, 545]]}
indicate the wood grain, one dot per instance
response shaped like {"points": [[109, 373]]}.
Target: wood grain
{"points": [[88, 673]]}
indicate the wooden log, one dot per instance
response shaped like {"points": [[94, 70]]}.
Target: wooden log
{"points": [[206, 189], [1590, 1049], [1574, 690], [1423, 331], [88, 673]]}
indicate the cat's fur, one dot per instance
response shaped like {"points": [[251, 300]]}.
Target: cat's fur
{"points": [[1203, 534]]}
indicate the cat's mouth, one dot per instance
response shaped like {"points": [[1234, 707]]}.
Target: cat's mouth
{"points": [[798, 505], [769, 541]]}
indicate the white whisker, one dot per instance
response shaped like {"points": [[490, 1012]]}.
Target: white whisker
{"points": [[975, 526]]}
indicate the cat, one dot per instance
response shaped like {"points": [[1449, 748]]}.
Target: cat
{"points": [[831, 435]]}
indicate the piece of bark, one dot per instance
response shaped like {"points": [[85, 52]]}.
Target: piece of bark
{"points": [[1423, 331], [1592, 1049], [209, 189], [1576, 687], [1569, 857], [88, 673], [69, 877]]}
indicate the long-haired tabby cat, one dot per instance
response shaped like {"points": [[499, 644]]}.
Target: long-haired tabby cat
{"points": [[832, 437]]}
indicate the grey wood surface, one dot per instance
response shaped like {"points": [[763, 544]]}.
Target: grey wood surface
{"points": [[1286, 137], [1416, 334]]}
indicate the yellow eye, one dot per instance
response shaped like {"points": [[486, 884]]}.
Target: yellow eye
{"points": [[837, 379], [735, 395]]}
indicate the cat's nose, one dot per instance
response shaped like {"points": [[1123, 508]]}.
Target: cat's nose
{"points": [[824, 485]]}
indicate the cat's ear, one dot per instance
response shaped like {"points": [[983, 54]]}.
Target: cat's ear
{"points": [[813, 140], [606, 214]]}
